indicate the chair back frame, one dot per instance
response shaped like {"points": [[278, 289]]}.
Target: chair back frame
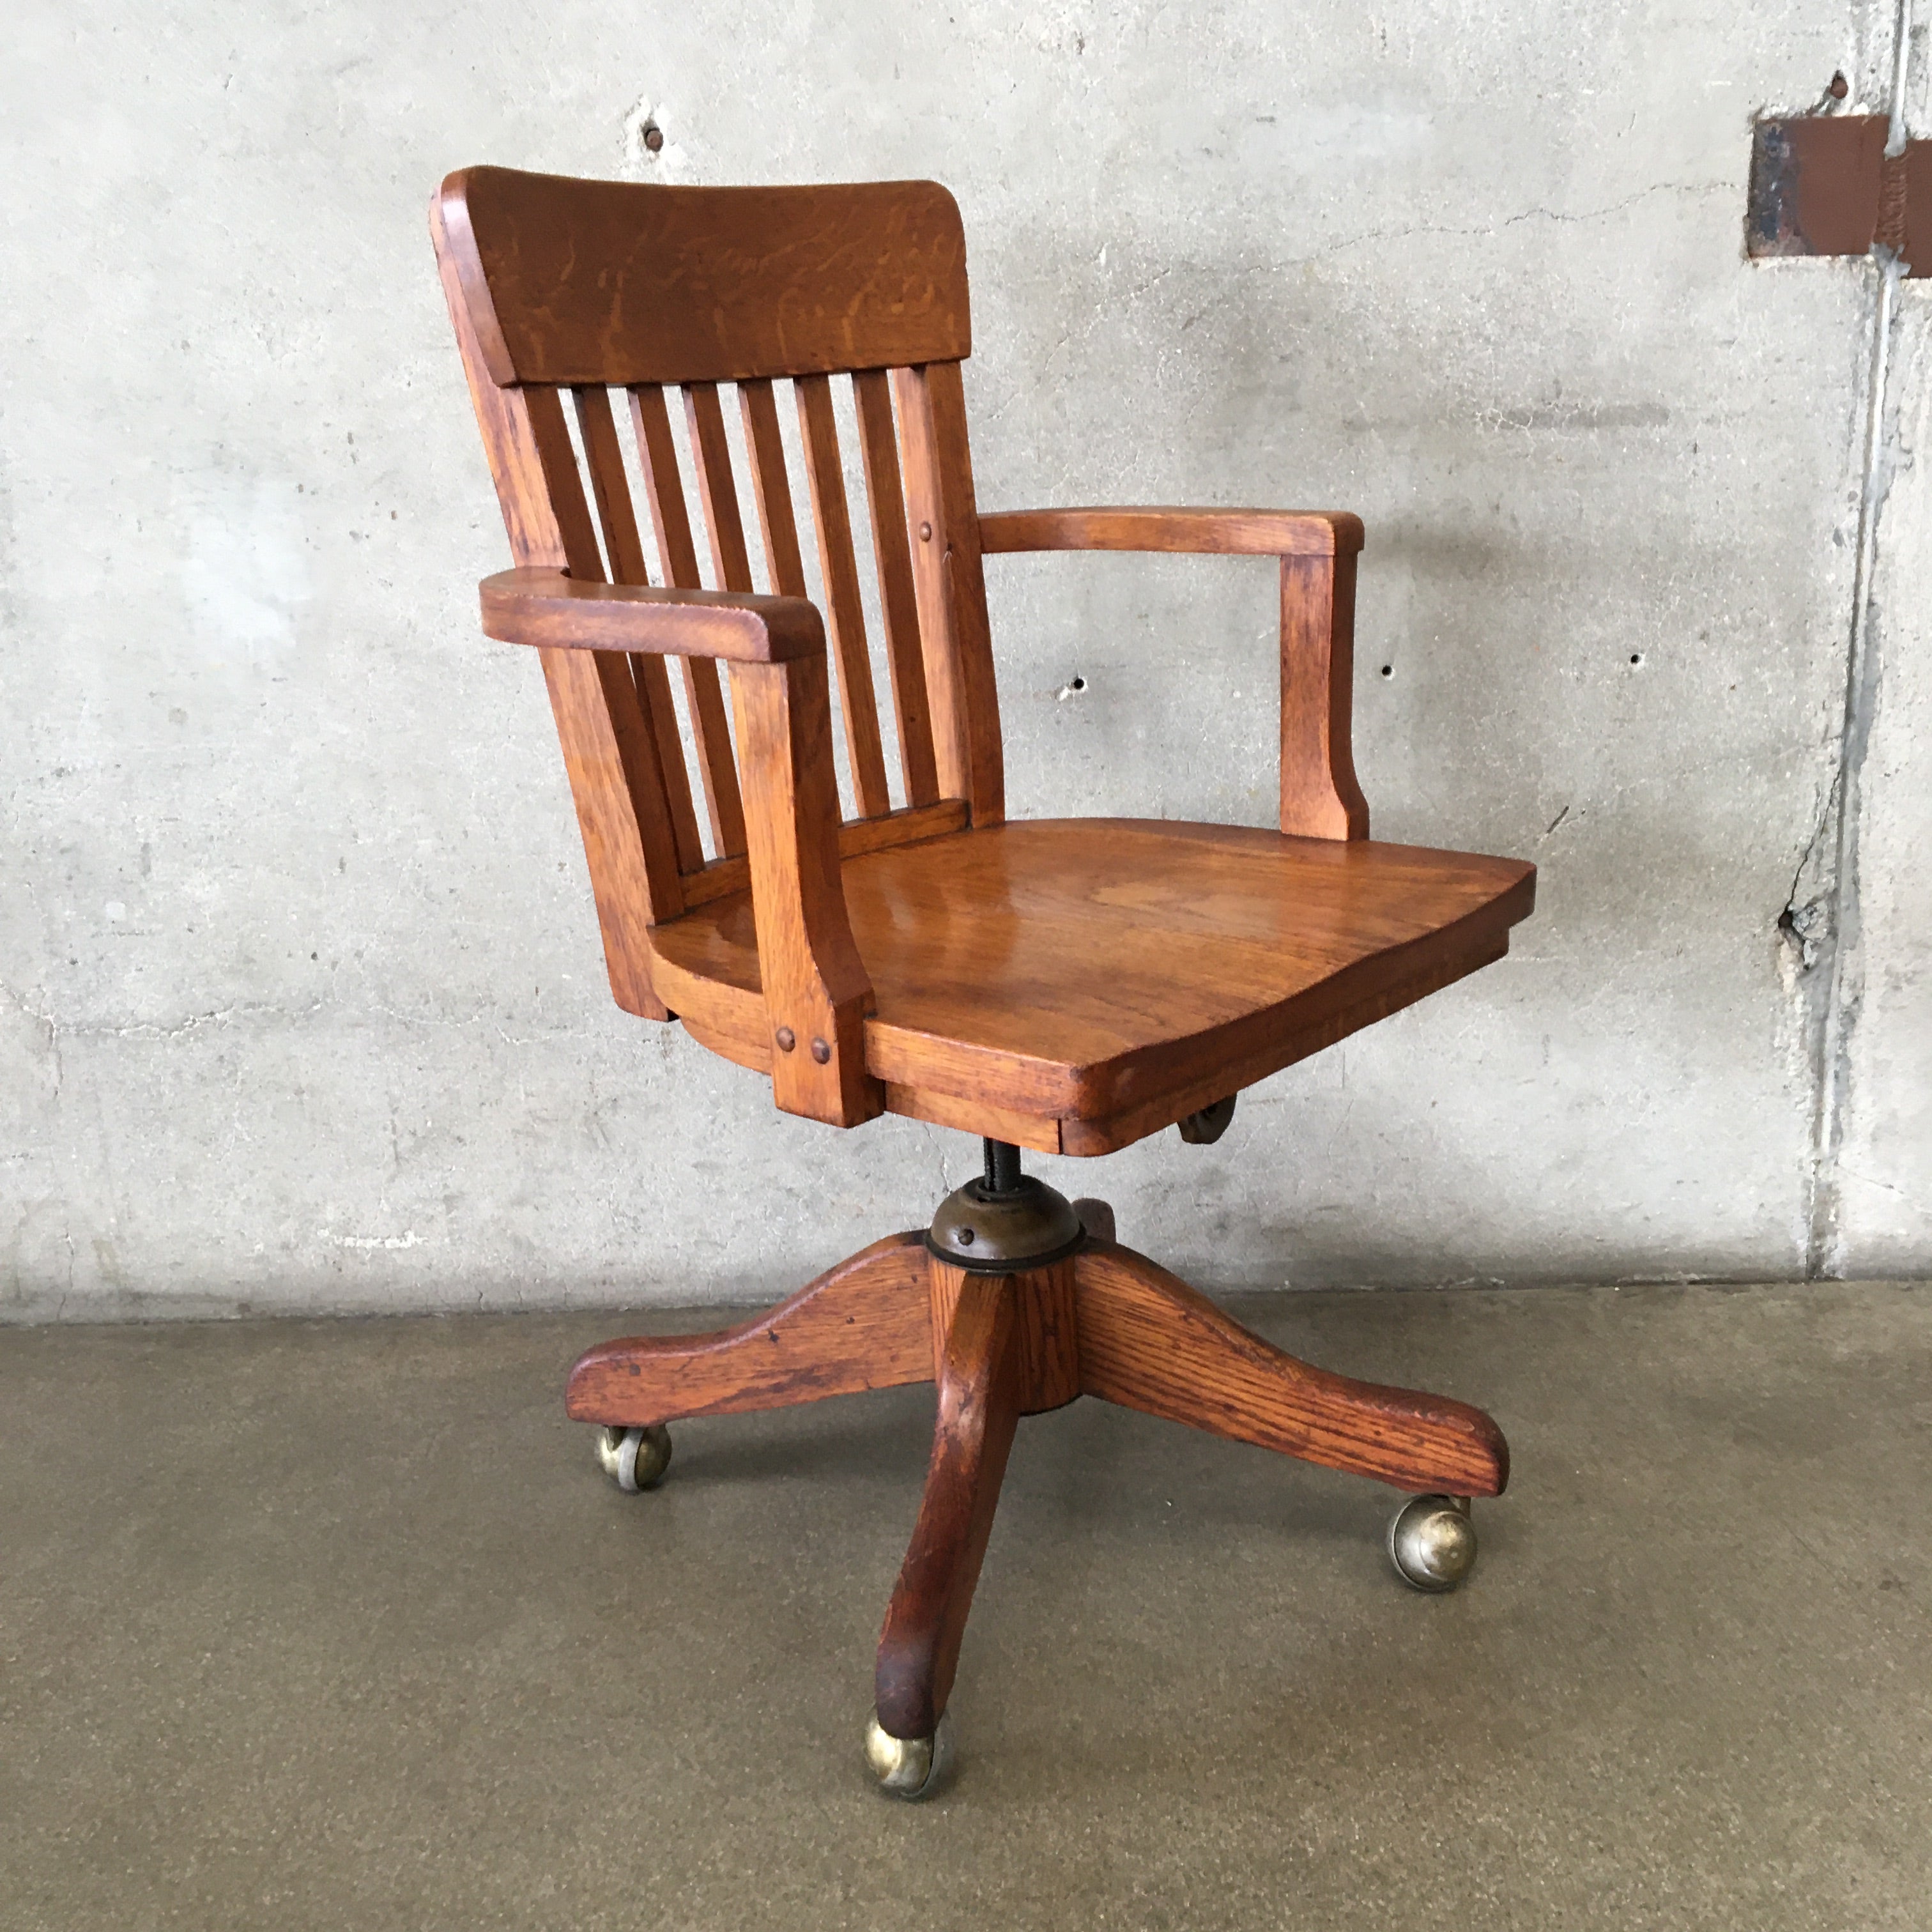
{"points": [[558, 286]]}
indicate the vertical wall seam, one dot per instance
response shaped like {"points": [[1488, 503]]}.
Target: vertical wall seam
{"points": [[1844, 997]]}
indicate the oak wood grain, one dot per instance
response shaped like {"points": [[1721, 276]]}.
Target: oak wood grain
{"points": [[671, 523], [979, 1381], [1148, 1341], [731, 565], [1048, 1375], [907, 826], [898, 600], [815, 992], [664, 488], [1320, 798], [1171, 527], [577, 281], [771, 488], [1080, 970], [950, 588], [1074, 987], [604, 457], [1243, 1060], [604, 461], [864, 1324], [832, 521], [974, 1113], [611, 759]]}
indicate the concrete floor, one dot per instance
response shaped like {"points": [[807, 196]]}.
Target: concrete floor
{"points": [[334, 1624]]}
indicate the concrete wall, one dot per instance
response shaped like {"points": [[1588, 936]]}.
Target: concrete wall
{"points": [[301, 1000]]}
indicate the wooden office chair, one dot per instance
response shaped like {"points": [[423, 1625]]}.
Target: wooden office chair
{"points": [[1070, 986]]}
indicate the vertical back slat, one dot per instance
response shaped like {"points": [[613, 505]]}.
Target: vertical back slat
{"points": [[898, 604], [612, 494], [702, 689], [719, 495], [717, 492], [557, 461], [951, 586], [771, 492], [832, 521], [1321, 797], [664, 489], [605, 458], [592, 693]]}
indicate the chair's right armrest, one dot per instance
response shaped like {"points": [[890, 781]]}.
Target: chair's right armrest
{"points": [[1320, 798], [1174, 528], [817, 991], [555, 611]]}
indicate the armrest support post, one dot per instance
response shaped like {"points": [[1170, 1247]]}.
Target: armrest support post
{"points": [[1320, 797], [817, 991]]}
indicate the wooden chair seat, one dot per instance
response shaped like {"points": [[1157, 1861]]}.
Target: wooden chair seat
{"points": [[1071, 984]]}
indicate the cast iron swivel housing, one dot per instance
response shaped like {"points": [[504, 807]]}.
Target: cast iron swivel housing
{"points": [[1006, 1221]]}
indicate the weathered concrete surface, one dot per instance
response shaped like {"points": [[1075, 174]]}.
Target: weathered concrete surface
{"points": [[1882, 1211], [331, 1625], [300, 1000]]}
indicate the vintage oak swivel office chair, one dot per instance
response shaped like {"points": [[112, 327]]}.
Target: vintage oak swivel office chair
{"points": [[1068, 986]]}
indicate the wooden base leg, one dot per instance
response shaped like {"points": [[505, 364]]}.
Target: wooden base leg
{"points": [[1096, 1217], [980, 1376], [1148, 1341], [864, 1324]]}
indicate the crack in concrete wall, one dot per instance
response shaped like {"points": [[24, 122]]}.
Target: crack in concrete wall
{"points": [[1827, 923]]}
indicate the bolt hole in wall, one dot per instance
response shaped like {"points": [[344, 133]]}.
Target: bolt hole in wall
{"points": [[646, 146], [1637, 657], [1388, 671], [1072, 687]]}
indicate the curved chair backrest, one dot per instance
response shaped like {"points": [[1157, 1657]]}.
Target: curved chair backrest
{"points": [[558, 286]]}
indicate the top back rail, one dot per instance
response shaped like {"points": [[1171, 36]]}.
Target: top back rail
{"points": [[589, 302], [573, 282]]}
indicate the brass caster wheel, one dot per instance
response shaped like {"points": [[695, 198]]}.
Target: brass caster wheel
{"points": [[910, 1768], [1432, 1543], [634, 1459]]}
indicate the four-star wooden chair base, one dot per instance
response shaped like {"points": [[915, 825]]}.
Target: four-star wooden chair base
{"points": [[1008, 1337]]}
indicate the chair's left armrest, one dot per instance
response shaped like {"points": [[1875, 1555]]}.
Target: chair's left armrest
{"points": [[1320, 797]]}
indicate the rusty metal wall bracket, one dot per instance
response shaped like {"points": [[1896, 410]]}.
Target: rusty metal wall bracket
{"points": [[1823, 185]]}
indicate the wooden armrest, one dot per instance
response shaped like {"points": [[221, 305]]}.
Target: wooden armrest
{"points": [[555, 611], [1165, 527], [1320, 798], [815, 986]]}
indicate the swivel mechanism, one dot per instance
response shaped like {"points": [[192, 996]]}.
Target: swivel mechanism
{"points": [[1004, 1220]]}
